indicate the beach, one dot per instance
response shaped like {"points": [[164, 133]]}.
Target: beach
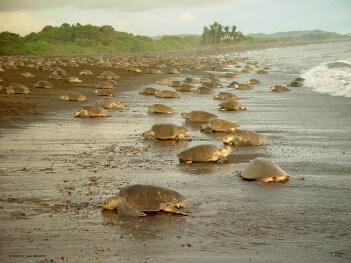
{"points": [[51, 210]]}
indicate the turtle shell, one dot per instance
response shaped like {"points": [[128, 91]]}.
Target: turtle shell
{"points": [[261, 167], [245, 137], [109, 103], [75, 96], [43, 84], [167, 94], [220, 125], [160, 108], [148, 91], [167, 131], [233, 105], [200, 153], [95, 111], [200, 116], [225, 96], [149, 198]]}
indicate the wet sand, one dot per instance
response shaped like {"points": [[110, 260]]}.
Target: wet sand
{"points": [[51, 210]]}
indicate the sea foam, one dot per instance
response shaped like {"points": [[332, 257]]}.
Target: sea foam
{"points": [[333, 78]]}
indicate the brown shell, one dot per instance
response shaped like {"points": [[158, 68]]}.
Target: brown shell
{"points": [[232, 105], [200, 153], [226, 96], [200, 116], [95, 111], [43, 84], [246, 138], [220, 125], [261, 167], [148, 91], [160, 108], [167, 131], [149, 198], [167, 94]]}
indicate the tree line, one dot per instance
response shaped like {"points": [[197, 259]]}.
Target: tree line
{"points": [[217, 33]]}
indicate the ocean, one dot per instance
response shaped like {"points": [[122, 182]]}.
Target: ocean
{"points": [[326, 67]]}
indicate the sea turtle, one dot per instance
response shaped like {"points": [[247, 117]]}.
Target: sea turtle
{"points": [[230, 74], [166, 131], [279, 88], [160, 108], [264, 170], [86, 72], [166, 94], [253, 82], [148, 91], [231, 105], [106, 84], [173, 71], [27, 75], [175, 83], [219, 125], [261, 71], [204, 90], [243, 86], [296, 84], [225, 96], [17, 88], [43, 84], [198, 116], [105, 92], [244, 138], [204, 153], [233, 84], [108, 75], [164, 81], [91, 111], [73, 80], [109, 103], [185, 87], [138, 200], [73, 97]]}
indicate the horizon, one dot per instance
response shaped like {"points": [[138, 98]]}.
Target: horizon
{"points": [[181, 18]]}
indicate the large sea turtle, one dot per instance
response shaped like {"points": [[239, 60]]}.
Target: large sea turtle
{"points": [[43, 84], [204, 90], [244, 138], [264, 170], [17, 88], [198, 116], [148, 91], [108, 75], [160, 109], [138, 200], [231, 105], [73, 97], [279, 88], [185, 87], [167, 94], [204, 153], [110, 103], [225, 96], [219, 125], [166, 131], [91, 111], [105, 92]]}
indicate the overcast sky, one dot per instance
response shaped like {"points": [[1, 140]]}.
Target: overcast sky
{"points": [[161, 17]]}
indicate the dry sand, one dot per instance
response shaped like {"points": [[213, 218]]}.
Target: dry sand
{"points": [[50, 210]]}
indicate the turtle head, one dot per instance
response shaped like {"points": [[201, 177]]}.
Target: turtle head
{"points": [[274, 88], [81, 113], [185, 115], [206, 127], [111, 203], [148, 135], [225, 151], [228, 139], [63, 97]]}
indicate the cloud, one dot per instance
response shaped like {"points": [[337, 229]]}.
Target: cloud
{"points": [[121, 5], [186, 17], [19, 22]]}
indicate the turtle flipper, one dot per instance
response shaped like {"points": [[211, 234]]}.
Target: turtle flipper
{"points": [[126, 210], [174, 210]]}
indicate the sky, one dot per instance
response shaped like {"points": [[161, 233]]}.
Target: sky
{"points": [[168, 17]]}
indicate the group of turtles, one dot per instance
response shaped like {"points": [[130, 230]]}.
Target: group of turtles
{"points": [[138, 200]]}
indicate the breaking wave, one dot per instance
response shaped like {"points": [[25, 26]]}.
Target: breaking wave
{"points": [[333, 78]]}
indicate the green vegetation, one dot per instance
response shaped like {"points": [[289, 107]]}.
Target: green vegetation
{"points": [[87, 39], [217, 33]]}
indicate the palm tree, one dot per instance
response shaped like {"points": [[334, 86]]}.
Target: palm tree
{"points": [[233, 33], [226, 30]]}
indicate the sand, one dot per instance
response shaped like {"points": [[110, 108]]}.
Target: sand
{"points": [[51, 209]]}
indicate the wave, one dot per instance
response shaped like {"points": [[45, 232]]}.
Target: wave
{"points": [[333, 78]]}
